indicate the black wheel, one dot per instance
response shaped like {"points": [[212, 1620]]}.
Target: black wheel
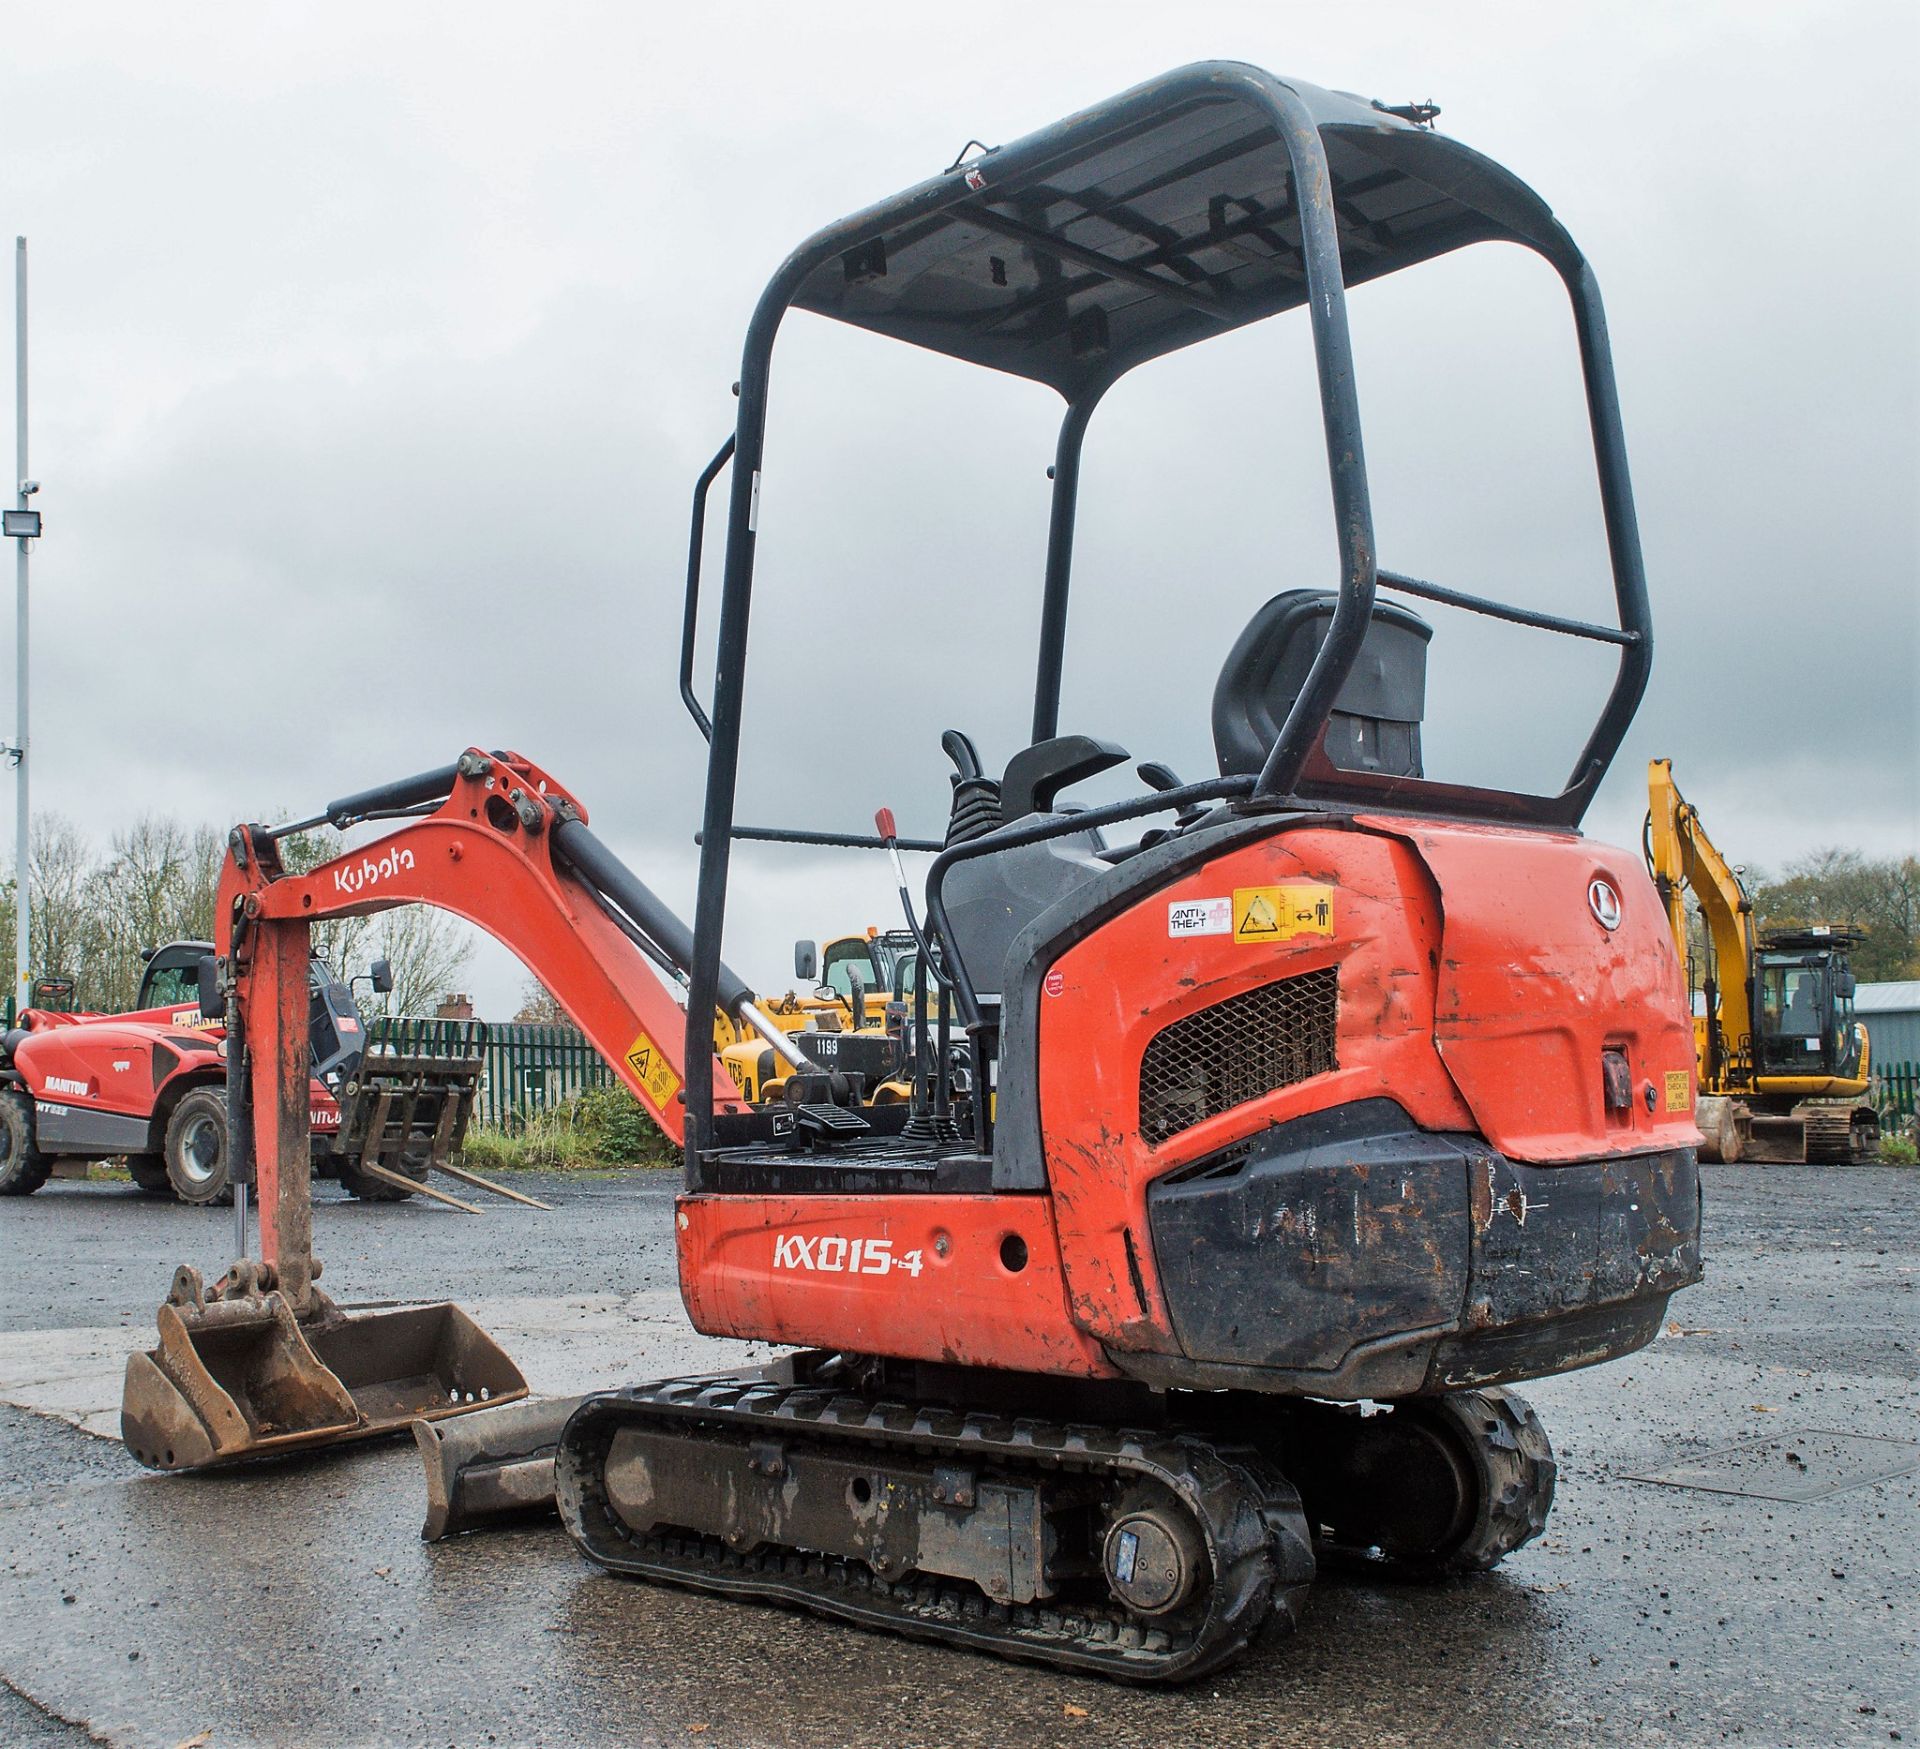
{"points": [[23, 1168], [1510, 1460], [1433, 1487], [196, 1152], [149, 1172], [371, 1189]]}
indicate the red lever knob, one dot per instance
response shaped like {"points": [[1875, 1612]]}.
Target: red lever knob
{"points": [[883, 823]]}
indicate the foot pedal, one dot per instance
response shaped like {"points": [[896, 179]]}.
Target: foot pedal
{"points": [[817, 1125], [829, 1123]]}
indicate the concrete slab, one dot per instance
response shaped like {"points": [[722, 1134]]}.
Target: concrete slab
{"points": [[293, 1603]]}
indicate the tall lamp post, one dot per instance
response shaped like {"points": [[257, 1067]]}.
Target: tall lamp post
{"points": [[22, 524]]}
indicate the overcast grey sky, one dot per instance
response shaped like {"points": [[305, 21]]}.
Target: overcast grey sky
{"points": [[376, 349]]}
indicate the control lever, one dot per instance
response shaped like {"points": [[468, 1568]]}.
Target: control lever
{"points": [[1161, 777], [883, 823]]}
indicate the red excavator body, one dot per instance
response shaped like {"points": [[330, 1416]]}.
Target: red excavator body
{"points": [[1450, 982]]}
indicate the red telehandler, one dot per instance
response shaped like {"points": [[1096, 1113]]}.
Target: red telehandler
{"points": [[1288, 1134], [150, 1086]]}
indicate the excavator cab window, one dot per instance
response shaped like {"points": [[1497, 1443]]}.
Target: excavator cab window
{"points": [[893, 953], [843, 959], [1796, 1013]]}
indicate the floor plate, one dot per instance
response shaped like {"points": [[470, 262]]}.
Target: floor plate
{"points": [[1806, 1464]]}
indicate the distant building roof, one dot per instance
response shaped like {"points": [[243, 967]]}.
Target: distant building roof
{"points": [[1897, 997]]}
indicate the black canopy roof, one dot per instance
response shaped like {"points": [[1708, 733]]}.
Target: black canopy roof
{"points": [[1141, 226]]}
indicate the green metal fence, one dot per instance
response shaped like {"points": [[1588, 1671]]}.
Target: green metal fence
{"points": [[1897, 1090], [529, 1067]]}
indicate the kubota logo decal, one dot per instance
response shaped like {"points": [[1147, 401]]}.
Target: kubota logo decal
{"points": [[351, 880]]}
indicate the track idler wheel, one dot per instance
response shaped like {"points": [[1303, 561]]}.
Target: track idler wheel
{"points": [[1430, 1488]]}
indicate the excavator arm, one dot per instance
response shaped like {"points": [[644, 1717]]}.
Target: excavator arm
{"points": [[1682, 858], [263, 1360], [506, 848]]}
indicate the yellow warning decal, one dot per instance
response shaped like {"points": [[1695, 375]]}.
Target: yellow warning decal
{"points": [[1679, 1090], [649, 1064], [1264, 914]]}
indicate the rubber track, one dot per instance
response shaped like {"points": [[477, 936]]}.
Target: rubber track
{"points": [[1829, 1136], [1256, 1532], [1518, 1473], [1514, 1471]]}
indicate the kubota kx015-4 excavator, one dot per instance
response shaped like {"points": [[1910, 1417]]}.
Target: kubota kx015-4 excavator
{"points": [[1347, 1087]]}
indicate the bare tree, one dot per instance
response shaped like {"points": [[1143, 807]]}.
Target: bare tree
{"points": [[65, 932], [158, 885], [427, 949], [538, 1006]]}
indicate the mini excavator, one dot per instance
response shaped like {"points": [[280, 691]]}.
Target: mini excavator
{"points": [[1294, 1129]]}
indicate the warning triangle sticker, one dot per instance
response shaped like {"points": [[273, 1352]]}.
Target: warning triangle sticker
{"points": [[1259, 918]]}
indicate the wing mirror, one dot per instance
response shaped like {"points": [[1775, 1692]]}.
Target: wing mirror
{"points": [[381, 972], [806, 961], [213, 999], [1845, 984]]}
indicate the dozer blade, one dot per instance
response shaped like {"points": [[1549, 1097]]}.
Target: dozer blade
{"points": [[490, 1468], [496, 1467], [240, 1377]]}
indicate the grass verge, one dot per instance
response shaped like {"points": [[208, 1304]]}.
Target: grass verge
{"points": [[596, 1131]]}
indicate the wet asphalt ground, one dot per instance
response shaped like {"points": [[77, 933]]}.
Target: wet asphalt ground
{"points": [[294, 1604]]}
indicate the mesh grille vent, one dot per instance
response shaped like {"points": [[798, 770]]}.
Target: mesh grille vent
{"points": [[1241, 1049]]}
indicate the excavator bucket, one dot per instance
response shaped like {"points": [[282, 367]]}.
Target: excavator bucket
{"points": [[237, 1376]]}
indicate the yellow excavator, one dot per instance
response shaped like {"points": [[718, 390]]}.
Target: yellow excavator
{"points": [[1784, 1066]]}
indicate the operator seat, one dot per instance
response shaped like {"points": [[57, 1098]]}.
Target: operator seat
{"points": [[1375, 723], [1374, 726]]}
